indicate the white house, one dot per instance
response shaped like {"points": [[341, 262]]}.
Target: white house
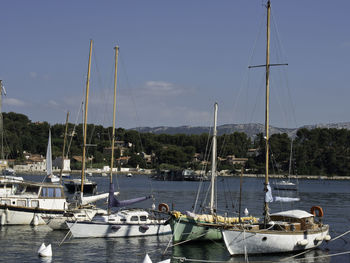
{"points": [[58, 163]]}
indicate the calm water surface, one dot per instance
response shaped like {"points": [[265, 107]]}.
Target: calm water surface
{"points": [[20, 243]]}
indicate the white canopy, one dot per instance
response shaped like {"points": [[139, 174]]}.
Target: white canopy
{"points": [[293, 214]]}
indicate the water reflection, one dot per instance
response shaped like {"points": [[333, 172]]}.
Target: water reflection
{"points": [[21, 243], [216, 252]]}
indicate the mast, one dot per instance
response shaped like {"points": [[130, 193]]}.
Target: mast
{"points": [[267, 106], [213, 163], [290, 160], [1, 123], [85, 122], [114, 113], [64, 146]]}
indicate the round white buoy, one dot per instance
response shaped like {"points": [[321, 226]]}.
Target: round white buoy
{"points": [[41, 248], [46, 252], [147, 259], [327, 238]]}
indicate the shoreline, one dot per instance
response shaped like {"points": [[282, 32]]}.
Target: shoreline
{"points": [[147, 172]]}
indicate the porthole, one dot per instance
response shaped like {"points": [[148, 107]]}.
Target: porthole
{"points": [[264, 238]]}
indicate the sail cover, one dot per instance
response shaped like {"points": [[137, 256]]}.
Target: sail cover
{"points": [[114, 202]]}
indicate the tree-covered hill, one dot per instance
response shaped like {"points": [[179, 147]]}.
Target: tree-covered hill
{"points": [[319, 151]]}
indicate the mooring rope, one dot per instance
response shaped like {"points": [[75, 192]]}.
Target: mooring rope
{"points": [[345, 233]]}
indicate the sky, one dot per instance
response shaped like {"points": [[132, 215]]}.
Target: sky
{"points": [[177, 58]]}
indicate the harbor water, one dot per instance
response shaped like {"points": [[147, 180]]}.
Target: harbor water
{"points": [[20, 243]]}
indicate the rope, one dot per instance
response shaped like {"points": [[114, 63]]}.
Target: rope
{"points": [[325, 256], [183, 259], [345, 233], [171, 236]]}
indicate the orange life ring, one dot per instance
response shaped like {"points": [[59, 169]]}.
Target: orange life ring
{"points": [[163, 207], [317, 211]]}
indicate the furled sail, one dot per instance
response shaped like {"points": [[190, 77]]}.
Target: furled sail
{"points": [[49, 156], [113, 202], [269, 198]]}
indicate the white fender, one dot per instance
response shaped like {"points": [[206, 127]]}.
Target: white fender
{"points": [[303, 242], [327, 237]]}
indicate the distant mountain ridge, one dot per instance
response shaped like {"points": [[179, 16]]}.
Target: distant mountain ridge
{"points": [[251, 129]]}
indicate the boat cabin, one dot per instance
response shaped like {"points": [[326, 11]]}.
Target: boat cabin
{"points": [[130, 216], [33, 195], [293, 220]]}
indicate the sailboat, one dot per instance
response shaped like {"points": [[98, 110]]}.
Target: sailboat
{"points": [[123, 223], [191, 226], [83, 184], [81, 209], [49, 174], [6, 170], [286, 231], [287, 185]]}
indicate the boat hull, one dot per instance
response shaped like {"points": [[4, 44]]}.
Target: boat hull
{"points": [[59, 222], [99, 229], [11, 215], [187, 229], [239, 242]]}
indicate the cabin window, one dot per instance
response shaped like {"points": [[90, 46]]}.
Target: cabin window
{"points": [[20, 189], [32, 189], [143, 218], [35, 203], [122, 220], [6, 202], [58, 192], [134, 218], [21, 202], [51, 192], [44, 192]]}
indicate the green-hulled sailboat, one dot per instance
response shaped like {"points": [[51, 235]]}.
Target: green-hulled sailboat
{"points": [[204, 227]]}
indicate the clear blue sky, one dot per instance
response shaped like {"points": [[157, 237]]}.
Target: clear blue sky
{"points": [[176, 59]]}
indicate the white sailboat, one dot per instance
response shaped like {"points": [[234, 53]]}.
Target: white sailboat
{"points": [[287, 231], [204, 227], [124, 223], [49, 174], [82, 209], [287, 185]]}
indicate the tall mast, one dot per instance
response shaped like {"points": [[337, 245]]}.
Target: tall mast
{"points": [[85, 122], [213, 163], [267, 105], [64, 146], [114, 113], [1, 123]]}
